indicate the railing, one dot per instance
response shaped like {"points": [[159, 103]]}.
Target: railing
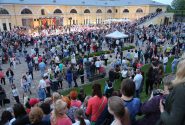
{"points": [[147, 18]]}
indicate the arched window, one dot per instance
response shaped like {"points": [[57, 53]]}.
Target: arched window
{"points": [[26, 11], [139, 10], [125, 11], [109, 11], [3, 11], [99, 11], [73, 11], [87, 11], [57, 11]]}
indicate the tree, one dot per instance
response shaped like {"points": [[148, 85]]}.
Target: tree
{"points": [[178, 4], [169, 8]]}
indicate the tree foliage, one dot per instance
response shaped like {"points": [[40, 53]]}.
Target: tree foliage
{"points": [[178, 4]]}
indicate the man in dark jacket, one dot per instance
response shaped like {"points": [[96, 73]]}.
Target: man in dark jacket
{"points": [[111, 75]]}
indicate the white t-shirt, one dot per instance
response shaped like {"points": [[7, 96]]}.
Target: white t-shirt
{"points": [[105, 56], [57, 60], [36, 60], [87, 122], [15, 92], [124, 73], [138, 79], [97, 64], [165, 60], [135, 55], [42, 84]]}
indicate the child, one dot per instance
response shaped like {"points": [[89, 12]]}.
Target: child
{"points": [[80, 118], [108, 89], [15, 93]]}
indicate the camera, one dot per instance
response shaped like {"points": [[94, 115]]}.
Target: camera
{"points": [[157, 92]]}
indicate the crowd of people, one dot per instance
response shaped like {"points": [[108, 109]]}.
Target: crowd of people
{"points": [[67, 58]]}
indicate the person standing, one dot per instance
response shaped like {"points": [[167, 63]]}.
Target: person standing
{"points": [[36, 62], [42, 67], [10, 75], [58, 115], [138, 79], [174, 64], [69, 78], [165, 61], [2, 96], [96, 104], [120, 113], [25, 84], [15, 93], [173, 113], [42, 89], [2, 77], [81, 73], [30, 69], [75, 76]]}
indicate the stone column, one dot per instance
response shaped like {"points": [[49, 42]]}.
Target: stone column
{"points": [[7, 25], [1, 25]]}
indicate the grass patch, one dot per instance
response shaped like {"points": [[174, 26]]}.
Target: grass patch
{"points": [[88, 87]]}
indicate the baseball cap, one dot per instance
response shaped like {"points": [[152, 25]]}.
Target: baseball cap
{"points": [[33, 101]]}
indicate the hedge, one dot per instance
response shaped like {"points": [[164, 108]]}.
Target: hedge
{"points": [[99, 53]]}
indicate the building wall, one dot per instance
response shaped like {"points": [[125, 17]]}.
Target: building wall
{"points": [[15, 17]]}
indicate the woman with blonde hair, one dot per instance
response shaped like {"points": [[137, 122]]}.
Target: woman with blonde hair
{"points": [[173, 110], [117, 109], [58, 115], [55, 96], [35, 116]]}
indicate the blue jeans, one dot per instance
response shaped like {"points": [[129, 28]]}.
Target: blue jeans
{"points": [[137, 93], [164, 66], [88, 72], [10, 79], [41, 72], [173, 68], [41, 94], [70, 84]]}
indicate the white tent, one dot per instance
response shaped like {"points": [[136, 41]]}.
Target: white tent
{"points": [[116, 35], [117, 20]]}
